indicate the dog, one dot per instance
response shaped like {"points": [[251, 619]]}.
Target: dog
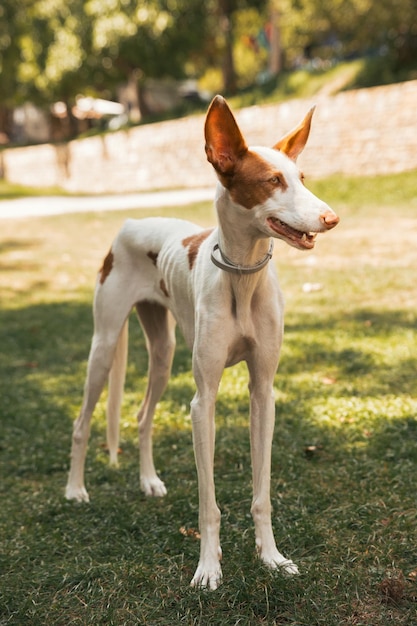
{"points": [[219, 286]]}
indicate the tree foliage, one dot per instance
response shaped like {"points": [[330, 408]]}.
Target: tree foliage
{"points": [[347, 27], [54, 49], [153, 37]]}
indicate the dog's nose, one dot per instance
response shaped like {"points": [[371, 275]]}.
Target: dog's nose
{"points": [[329, 219]]}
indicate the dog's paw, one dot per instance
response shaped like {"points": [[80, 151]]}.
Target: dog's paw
{"points": [[79, 494], [273, 559], [288, 568], [207, 577], [208, 574], [153, 486], [279, 562]]}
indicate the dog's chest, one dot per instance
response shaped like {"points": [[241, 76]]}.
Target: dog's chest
{"points": [[240, 349]]}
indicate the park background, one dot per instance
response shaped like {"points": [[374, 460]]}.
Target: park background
{"points": [[345, 448]]}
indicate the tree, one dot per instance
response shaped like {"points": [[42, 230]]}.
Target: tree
{"points": [[153, 38], [227, 11], [44, 45], [275, 55], [54, 49], [13, 27], [341, 28]]}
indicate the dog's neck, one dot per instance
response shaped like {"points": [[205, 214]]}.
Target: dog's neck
{"points": [[237, 239]]}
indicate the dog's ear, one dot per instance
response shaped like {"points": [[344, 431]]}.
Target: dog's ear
{"points": [[225, 144], [293, 143]]}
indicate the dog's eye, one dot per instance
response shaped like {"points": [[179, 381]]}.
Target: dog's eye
{"points": [[302, 177], [275, 180]]}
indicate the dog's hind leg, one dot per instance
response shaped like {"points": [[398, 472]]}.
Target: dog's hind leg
{"points": [[108, 324], [159, 328], [116, 385]]}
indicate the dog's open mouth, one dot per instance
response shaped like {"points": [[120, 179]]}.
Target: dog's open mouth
{"points": [[292, 235]]}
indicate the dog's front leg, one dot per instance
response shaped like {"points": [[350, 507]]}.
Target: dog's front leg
{"points": [[262, 429], [207, 373]]}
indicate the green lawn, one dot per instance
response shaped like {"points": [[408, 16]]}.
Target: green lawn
{"points": [[345, 449], [10, 191]]}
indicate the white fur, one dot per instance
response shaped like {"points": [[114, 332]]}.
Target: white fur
{"points": [[224, 317]]}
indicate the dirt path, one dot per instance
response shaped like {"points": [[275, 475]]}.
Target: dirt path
{"points": [[55, 205]]}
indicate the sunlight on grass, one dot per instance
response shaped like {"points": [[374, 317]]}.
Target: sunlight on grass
{"points": [[10, 191], [302, 83]]}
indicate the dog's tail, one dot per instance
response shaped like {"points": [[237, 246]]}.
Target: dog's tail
{"points": [[116, 385]]}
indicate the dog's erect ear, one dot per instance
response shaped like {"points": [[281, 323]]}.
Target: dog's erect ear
{"points": [[293, 143], [225, 144]]}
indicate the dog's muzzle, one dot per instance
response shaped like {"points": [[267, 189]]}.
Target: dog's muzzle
{"points": [[329, 219]]}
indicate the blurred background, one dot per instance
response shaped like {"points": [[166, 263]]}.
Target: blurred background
{"points": [[74, 68]]}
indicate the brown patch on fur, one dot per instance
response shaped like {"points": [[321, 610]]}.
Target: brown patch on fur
{"points": [[107, 266], [163, 287], [193, 244], [254, 181], [153, 257]]}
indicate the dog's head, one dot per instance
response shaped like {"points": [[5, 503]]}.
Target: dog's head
{"points": [[266, 181]]}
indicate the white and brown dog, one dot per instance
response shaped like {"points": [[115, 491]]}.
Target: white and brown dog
{"points": [[220, 288]]}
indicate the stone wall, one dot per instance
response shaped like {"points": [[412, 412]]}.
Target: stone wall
{"points": [[367, 131]]}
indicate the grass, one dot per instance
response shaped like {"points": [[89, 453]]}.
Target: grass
{"points": [[10, 191], [302, 83], [344, 455]]}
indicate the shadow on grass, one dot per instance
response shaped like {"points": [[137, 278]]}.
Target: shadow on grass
{"points": [[45, 348], [16, 247], [43, 365], [343, 493], [371, 351]]}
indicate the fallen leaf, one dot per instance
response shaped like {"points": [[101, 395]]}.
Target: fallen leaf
{"points": [[190, 532], [392, 588]]}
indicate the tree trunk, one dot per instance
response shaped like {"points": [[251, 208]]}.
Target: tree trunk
{"points": [[275, 53], [228, 65], [6, 123]]}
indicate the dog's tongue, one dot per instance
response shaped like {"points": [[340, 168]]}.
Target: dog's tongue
{"points": [[305, 240]]}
